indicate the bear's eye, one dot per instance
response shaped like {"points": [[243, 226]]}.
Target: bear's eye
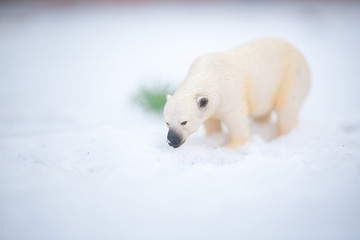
{"points": [[184, 123], [167, 124]]}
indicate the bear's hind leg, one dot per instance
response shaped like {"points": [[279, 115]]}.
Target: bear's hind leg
{"points": [[293, 92], [212, 126], [287, 120]]}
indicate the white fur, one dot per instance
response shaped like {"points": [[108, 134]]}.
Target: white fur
{"points": [[247, 81]]}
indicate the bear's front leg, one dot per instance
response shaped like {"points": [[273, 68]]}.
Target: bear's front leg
{"points": [[237, 124], [212, 126]]}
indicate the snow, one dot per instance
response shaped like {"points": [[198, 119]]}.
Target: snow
{"points": [[78, 160]]}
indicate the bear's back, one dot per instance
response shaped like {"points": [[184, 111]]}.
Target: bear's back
{"points": [[264, 63]]}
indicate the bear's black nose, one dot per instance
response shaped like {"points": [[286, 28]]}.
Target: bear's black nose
{"points": [[174, 139]]}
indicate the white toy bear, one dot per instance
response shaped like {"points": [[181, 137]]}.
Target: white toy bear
{"points": [[229, 87]]}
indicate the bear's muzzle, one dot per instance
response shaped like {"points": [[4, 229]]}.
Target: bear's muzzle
{"points": [[174, 139]]}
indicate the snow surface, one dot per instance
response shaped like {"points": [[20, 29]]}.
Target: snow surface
{"points": [[79, 161]]}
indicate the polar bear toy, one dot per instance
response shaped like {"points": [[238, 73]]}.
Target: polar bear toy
{"points": [[251, 80]]}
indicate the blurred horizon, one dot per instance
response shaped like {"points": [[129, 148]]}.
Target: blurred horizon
{"points": [[65, 2]]}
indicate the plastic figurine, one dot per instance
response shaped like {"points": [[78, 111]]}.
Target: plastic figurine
{"points": [[251, 80]]}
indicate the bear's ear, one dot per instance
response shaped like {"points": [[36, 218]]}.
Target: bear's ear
{"points": [[168, 97], [202, 102]]}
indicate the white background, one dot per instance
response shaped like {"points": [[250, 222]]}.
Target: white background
{"points": [[78, 160]]}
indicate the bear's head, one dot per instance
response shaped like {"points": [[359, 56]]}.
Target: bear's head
{"points": [[183, 116]]}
